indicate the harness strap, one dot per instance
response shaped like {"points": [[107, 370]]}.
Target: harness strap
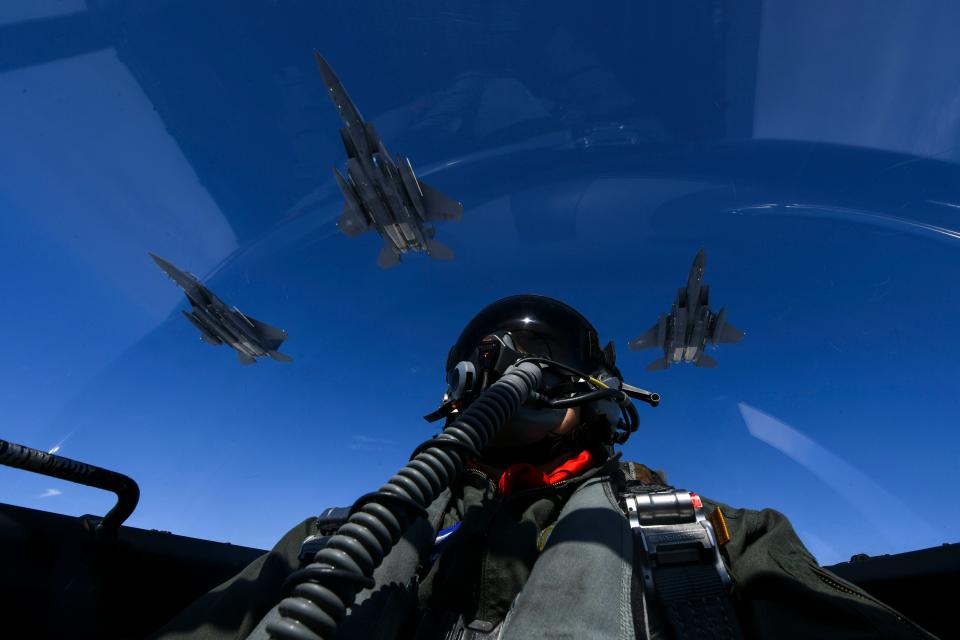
{"points": [[680, 561], [697, 603]]}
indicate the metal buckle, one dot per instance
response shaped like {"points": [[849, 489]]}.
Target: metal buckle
{"points": [[310, 546], [674, 531]]}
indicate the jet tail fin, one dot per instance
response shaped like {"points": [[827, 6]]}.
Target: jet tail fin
{"points": [[705, 362], [388, 257], [438, 250], [280, 357], [245, 360], [658, 365]]}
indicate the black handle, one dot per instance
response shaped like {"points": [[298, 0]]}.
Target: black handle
{"points": [[128, 493]]}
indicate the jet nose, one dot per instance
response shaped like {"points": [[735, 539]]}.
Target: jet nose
{"points": [[178, 276], [163, 264], [329, 77]]}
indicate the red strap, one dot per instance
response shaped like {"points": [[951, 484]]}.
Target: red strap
{"points": [[521, 476]]}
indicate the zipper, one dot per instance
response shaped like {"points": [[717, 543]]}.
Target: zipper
{"points": [[831, 582], [839, 587], [481, 474]]}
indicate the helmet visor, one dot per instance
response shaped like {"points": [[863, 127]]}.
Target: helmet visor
{"points": [[540, 326]]}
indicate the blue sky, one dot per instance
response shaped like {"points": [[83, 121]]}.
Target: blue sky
{"points": [[595, 152]]}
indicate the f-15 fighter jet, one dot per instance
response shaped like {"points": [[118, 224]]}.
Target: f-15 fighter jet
{"points": [[219, 323], [381, 193], [684, 332]]}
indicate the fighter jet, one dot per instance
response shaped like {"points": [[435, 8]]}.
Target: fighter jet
{"points": [[684, 333], [382, 193], [219, 323]]}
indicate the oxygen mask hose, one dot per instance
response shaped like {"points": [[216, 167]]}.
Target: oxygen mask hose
{"points": [[321, 593]]}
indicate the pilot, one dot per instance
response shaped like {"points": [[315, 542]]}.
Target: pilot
{"points": [[549, 533]]}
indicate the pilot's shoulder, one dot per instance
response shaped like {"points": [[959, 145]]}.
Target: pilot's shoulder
{"points": [[637, 472]]}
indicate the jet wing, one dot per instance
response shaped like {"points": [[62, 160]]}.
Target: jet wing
{"points": [[438, 206], [647, 340], [271, 336], [352, 222], [729, 333]]}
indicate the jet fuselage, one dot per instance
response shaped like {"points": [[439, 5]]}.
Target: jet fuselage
{"points": [[684, 333], [219, 323]]}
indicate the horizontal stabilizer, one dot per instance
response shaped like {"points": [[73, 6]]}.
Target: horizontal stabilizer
{"points": [[388, 257], [269, 335], [280, 357], [438, 250], [729, 333], [658, 365], [647, 340], [245, 359], [438, 206], [705, 362]]}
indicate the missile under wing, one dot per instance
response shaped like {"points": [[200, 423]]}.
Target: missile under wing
{"points": [[219, 323], [684, 332], [381, 193]]}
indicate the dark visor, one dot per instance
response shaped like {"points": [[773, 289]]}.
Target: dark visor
{"points": [[540, 326]]}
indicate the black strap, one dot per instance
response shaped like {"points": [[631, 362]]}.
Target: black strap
{"points": [[696, 603], [695, 600]]}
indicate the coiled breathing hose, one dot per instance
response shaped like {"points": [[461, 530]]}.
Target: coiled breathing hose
{"points": [[321, 593]]}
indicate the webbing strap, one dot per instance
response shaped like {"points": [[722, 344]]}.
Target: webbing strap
{"points": [[696, 603], [680, 560]]}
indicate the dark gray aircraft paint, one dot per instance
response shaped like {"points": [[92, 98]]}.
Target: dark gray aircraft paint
{"points": [[381, 193], [219, 323], [684, 332]]}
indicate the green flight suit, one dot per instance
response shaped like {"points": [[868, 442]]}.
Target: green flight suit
{"points": [[554, 562]]}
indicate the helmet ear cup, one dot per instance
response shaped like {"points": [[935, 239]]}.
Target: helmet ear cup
{"points": [[461, 379], [603, 420]]}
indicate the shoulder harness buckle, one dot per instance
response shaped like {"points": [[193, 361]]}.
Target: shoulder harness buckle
{"points": [[674, 531], [681, 563]]}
